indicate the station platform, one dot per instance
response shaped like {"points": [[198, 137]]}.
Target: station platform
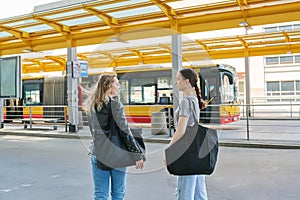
{"points": [[84, 134]]}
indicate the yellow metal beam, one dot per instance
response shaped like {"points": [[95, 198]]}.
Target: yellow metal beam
{"points": [[59, 60], [204, 46], [169, 12], [22, 35], [221, 15], [110, 21], [61, 28], [258, 44]]}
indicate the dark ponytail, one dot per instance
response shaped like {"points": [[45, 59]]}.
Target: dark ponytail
{"points": [[193, 78]]}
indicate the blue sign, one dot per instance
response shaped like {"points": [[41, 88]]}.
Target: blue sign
{"points": [[84, 68]]}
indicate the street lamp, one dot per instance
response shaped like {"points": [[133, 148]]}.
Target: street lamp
{"points": [[247, 78]]}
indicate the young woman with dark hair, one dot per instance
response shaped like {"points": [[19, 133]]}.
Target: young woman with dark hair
{"points": [[190, 187]]}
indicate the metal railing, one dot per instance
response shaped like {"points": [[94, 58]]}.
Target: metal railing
{"points": [[16, 114], [273, 121]]}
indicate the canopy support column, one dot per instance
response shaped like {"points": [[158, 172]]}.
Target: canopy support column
{"points": [[176, 66], [72, 92], [1, 113]]}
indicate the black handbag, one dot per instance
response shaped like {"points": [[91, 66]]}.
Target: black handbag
{"points": [[110, 147], [194, 153]]}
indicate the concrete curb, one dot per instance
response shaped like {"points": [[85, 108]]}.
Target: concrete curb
{"points": [[237, 144], [259, 144]]}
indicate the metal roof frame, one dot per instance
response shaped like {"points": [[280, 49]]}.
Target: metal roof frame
{"points": [[95, 22], [258, 44]]}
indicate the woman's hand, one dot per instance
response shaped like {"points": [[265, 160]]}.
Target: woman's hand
{"points": [[139, 164]]}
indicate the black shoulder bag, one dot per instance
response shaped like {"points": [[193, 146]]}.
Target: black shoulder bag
{"points": [[194, 153], [111, 149]]}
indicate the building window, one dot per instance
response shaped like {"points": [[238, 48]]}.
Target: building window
{"points": [[297, 87], [281, 89], [282, 28], [286, 59], [273, 90], [287, 87], [273, 86], [297, 59], [272, 60], [286, 28], [270, 29], [296, 26]]}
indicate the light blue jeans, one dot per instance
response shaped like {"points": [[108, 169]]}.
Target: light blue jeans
{"points": [[191, 188], [102, 180]]}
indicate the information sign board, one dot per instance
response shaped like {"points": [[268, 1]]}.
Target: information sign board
{"points": [[10, 77]]}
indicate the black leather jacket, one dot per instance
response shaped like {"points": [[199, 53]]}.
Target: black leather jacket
{"points": [[100, 121]]}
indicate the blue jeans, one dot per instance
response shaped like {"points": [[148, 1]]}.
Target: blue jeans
{"points": [[102, 180], [191, 188]]}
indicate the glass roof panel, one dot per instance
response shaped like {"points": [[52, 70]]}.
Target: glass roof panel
{"points": [[125, 3], [83, 20], [38, 28], [65, 14], [192, 3], [136, 11], [18, 23], [4, 34]]}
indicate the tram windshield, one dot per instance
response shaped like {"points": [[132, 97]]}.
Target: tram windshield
{"points": [[226, 89]]}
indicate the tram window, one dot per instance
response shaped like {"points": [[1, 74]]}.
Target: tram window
{"points": [[211, 90], [32, 97], [227, 90], [32, 94], [124, 96], [164, 97], [142, 91]]}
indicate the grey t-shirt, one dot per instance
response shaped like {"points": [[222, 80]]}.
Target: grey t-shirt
{"points": [[188, 110]]}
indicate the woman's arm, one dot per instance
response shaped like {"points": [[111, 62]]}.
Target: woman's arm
{"points": [[182, 124], [117, 109], [125, 132]]}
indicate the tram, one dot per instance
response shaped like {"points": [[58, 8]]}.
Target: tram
{"points": [[142, 91]]}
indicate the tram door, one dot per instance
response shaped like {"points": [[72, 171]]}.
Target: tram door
{"points": [[210, 90]]}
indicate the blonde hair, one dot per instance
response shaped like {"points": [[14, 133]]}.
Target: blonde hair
{"points": [[99, 94]]}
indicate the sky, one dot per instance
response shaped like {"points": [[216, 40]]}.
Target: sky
{"points": [[9, 9]]}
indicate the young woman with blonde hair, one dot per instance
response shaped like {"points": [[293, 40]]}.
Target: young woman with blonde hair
{"points": [[101, 100]]}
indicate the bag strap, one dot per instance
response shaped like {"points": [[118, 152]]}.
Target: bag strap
{"points": [[113, 125], [192, 104], [91, 124], [110, 118]]}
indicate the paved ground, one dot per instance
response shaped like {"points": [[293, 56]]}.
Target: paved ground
{"points": [[34, 168], [262, 133]]}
